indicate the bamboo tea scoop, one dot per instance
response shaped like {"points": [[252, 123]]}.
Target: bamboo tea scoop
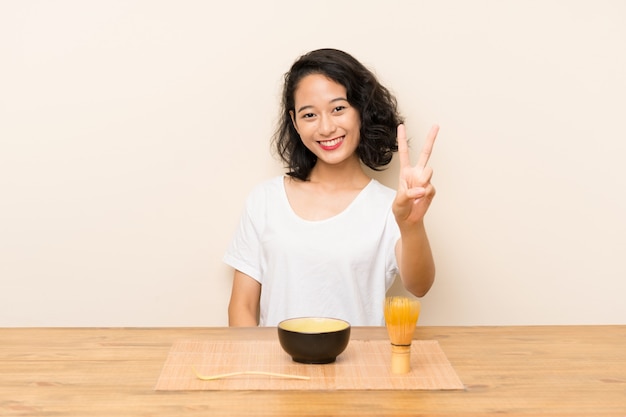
{"points": [[271, 374]]}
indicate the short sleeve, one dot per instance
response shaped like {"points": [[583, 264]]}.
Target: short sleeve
{"points": [[243, 253]]}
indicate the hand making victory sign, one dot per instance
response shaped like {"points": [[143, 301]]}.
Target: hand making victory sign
{"points": [[415, 192], [414, 195]]}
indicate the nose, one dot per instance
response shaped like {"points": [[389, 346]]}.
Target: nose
{"points": [[326, 125]]}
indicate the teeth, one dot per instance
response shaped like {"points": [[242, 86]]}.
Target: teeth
{"points": [[331, 142]]}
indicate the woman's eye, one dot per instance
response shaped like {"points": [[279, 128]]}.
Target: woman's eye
{"points": [[339, 108], [307, 115]]}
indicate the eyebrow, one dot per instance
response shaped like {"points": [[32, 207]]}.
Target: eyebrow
{"points": [[331, 101]]}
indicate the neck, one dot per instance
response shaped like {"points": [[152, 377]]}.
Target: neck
{"points": [[349, 174]]}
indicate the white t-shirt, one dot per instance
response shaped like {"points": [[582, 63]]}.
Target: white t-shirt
{"points": [[338, 267]]}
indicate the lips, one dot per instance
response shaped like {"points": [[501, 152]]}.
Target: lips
{"points": [[329, 145]]}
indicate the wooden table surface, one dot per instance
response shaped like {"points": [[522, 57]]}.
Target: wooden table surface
{"points": [[507, 371]]}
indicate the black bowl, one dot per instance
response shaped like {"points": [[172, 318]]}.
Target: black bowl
{"points": [[314, 340]]}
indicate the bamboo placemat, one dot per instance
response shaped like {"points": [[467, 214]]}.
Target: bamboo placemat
{"points": [[364, 365]]}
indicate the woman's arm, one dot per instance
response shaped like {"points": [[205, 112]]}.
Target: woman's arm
{"points": [[415, 261], [243, 309], [415, 193]]}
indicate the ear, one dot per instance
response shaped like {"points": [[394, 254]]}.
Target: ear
{"points": [[293, 121]]}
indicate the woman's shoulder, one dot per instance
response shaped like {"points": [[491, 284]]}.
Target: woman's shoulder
{"points": [[273, 184], [380, 190], [266, 190]]}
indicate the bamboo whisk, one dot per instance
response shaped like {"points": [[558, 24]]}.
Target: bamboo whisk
{"points": [[401, 314]]}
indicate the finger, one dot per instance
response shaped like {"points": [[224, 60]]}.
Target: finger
{"points": [[421, 179], [417, 192], [427, 149], [425, 176], [403, 147]]}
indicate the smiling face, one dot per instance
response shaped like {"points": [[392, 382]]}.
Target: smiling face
{"points": [[326, 122]]}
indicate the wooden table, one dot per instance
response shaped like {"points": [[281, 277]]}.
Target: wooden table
{"points": [[512, 371]]}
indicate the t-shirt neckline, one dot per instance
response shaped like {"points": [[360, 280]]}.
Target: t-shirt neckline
{"points": [[348, 208]]}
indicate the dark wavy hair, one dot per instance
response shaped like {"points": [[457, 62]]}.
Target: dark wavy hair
{"points": [[377, 108]]}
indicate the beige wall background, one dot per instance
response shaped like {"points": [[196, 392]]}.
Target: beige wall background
{"points": [[132, 131]]}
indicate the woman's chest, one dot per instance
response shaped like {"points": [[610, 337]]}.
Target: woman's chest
{"points": [[312, 203]]}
